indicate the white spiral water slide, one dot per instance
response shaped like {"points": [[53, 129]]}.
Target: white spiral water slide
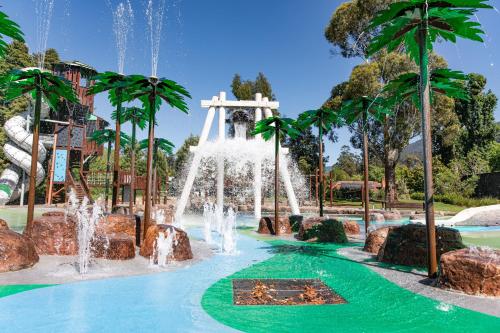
{"points": [[18, 151]]}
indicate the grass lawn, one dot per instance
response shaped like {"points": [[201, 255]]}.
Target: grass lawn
{"points": [[439, 206], [491, 239]]}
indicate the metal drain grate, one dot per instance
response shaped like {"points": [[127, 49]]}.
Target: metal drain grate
{"points": [[283, 292]]}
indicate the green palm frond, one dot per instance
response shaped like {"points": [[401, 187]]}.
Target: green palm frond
{"points": [[324, 117], [134, 115], [356, 109], [108, 136], [444, 81], [8, 28], [20, 82], [275, 125], [164, 145], [446, 19]]}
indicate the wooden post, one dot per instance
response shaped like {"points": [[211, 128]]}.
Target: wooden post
{"points": [[116, 160], [149, 161], [331, 188], [276, 180], [366, 188]]}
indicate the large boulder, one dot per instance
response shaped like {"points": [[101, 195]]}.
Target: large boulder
{"points": [[3, 225], [16, 252], [118, 246], [54, 234], [266, 226], [327, 231], [116, 224], [474, 271], [392, 215], [181, 245], [377, 217], [376, 239], [308, 224], [351, 228], [407, 244]]}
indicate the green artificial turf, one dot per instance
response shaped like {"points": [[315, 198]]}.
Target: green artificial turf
{"points": [[8, 290], [374, 303]]}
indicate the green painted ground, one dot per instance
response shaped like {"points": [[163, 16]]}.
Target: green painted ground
{"points": [[19, 288], [374, 303]]}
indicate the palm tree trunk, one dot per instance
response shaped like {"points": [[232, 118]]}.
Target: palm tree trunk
{"points": [[321, 190], [132, 171], [276, 181], [427, 141], [108, 169], [34, 157], [116, 168], [366, 188], [149, 163]]}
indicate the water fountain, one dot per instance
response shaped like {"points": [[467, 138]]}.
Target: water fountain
{"points": [[154, 15], [43, 10], [224, 228], [247, 164], [123, 22]]}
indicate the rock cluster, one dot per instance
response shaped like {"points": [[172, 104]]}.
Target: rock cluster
{"points": [[16, 251], [113, 247], [54, 233], [351, 228], [474, 271], [267, 225], [181, 247], [322, 230], [407, 244], [376, 239]]}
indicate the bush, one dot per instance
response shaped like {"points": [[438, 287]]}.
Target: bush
{"points": [[417, 196], [295, 222], [328, 231], [460, 200]]}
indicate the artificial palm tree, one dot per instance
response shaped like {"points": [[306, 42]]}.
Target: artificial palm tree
{"points": [[108, 136], [114, 84], [162, 145], [152, 92], [8, 28], [323, 119], [416, 25], [42, 85], [138, 118], [360, 109], [278, 128]]}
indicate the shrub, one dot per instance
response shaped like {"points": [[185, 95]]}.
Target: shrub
{"points": [[460, 200], [295, 222], [328, 231], [417, 196]]}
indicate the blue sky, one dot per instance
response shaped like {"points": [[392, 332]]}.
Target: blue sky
{"points": [[205, 42]]}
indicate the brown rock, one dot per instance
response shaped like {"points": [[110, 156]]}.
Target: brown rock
{"points": [[54, 235], [116, 224], [351, 228], [113, 247], [182, 247], [376, 239], [266, 226], [308, 224], [3, 225], [392, 215], [54, 213], [407, 244], [377, 217], [472, 271], [16, 252]]}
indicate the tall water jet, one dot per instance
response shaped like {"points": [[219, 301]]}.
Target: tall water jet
{"points": [[86, 226], [164, 248], [155, 10], [223, 226], [43, 11], [123, 23]]}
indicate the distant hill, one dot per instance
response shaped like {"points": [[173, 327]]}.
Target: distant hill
{"points": [[415, 149]]}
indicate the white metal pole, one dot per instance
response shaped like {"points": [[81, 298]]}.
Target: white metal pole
{"points": [[220, 159], [258, 167]]}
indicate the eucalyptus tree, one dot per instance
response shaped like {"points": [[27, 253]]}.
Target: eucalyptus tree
{"points": [[152, 92], [360, 109], [159, 144], [115, 84], [279, 128], [324, 119], [417, 25], [8, 28], [108, 136], [41, 85], [138, 118]]}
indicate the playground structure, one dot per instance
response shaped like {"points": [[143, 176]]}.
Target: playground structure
{"points": [[65, 151]]}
